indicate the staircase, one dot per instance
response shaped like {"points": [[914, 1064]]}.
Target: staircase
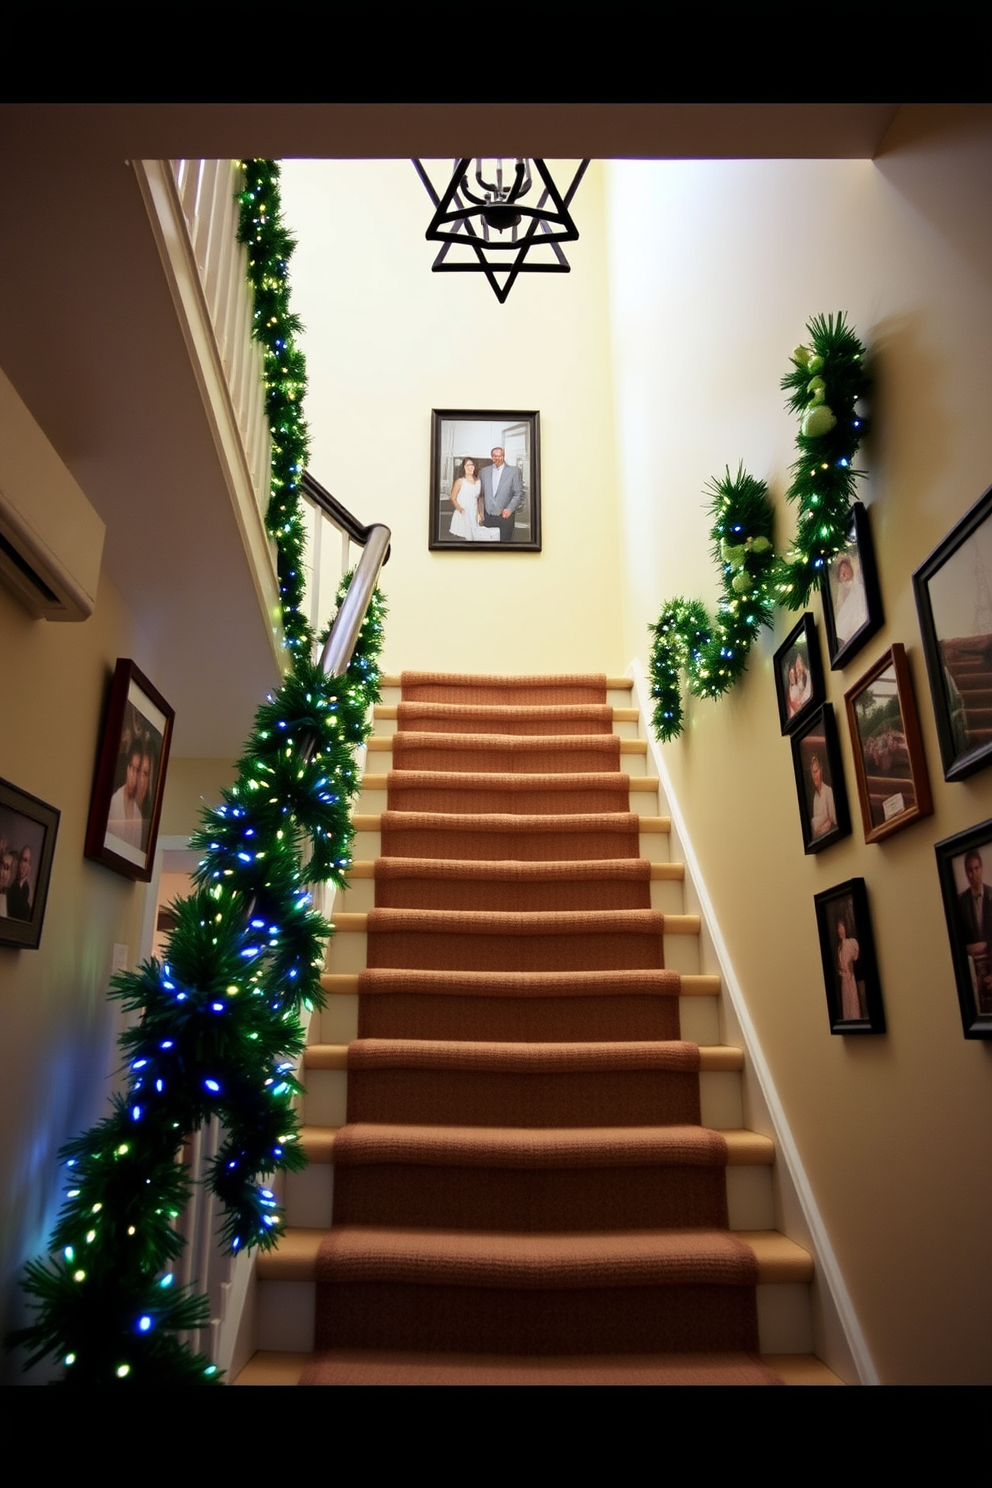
{"points": [[527, 1161]]}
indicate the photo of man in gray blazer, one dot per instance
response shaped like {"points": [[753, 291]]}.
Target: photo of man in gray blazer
{"points": [[502, 493]]}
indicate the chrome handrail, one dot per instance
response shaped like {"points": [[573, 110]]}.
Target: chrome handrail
{"points": [[340, 644]]}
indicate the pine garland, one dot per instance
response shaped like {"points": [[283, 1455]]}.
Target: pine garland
{"points": [[219, 1031], [825, 384], [713, 653]]}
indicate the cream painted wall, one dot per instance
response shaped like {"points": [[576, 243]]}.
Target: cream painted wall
{"points": [[57, 1025], [715, 268], [386, 341]]}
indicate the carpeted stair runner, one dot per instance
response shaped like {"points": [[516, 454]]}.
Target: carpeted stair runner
{"points": [[523, 1191]]}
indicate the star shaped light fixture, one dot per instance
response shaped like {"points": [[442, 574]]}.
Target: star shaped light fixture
{"points": [[493, 228]]}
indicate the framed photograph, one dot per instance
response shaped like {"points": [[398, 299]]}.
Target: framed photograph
{"points": [[852, 601], [130, 776], [847, 950], [964, 864], [485, 482], [891, 770], [823, 810], [28, 828], [954, 602], [799, 676]]}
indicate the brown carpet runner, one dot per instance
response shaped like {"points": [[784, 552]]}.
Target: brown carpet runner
{"points": [[523, 1192]]}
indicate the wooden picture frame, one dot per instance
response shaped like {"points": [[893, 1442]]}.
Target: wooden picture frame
{"points": [[468, 448], [852, 600], [962, 863], [799, 685], [889, 763], [823, 810], [130, 778], [954, 605], [28, 829], [847, 952]]}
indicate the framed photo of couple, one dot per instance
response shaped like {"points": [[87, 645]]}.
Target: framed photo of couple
{"points": [[964, 862], [798, 676], [28, 829], [485, 481], [130, 777]]}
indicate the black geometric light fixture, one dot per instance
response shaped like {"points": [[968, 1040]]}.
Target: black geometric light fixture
{"points": [[486, 223]]}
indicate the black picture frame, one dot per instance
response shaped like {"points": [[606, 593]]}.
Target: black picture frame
{"points": [[798, 698], [459, 435], [889, 764], [824, 816], [852, 609], [130, 775], [951, 596], [972, 969], [850, 965], [28, 829]]}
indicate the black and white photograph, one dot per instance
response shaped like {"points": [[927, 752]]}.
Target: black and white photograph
{"points": [[954, 603], [28, 828], [847, 951], [852, 601], [485, 482], [130, 781], [822, 798], [964, 866]]}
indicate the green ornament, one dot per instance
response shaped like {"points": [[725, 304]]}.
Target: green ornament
{"points": [[741, 584], [815, 362], [760, 545], [817, 421]]}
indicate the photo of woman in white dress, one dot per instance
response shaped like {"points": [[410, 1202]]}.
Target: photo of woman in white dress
{"points": [[466, 498]]}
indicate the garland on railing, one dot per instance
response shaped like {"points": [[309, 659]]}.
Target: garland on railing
{"points": [[826, 382], [713, 653], [219, 1027]]}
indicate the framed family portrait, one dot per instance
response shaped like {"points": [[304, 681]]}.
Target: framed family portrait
{"points": [[954, 603], [852, 600], [485, 484], [847, 950], [891, 769], [823, 810], [798, 676], [964, 866], [130, 776], [28, 828]]}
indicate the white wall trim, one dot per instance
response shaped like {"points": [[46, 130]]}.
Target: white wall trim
{"points": [[787, 1151]]}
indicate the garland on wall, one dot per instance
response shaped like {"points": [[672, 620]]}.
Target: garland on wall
{"points": [[713, 652], [826, 382], [219, 1030]]}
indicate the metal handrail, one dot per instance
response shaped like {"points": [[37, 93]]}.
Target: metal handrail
{"points": [[340, 644]]}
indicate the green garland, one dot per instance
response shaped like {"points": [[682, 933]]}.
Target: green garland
{"points": [[713, 653], [219, 1030], [826, 383]]}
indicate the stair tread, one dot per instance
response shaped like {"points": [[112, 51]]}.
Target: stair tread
{"points": [[525, 868], [593, 1257], [530, 1147], [510, 821], [377, 1367], [522, 1057], [519, 922], [462, 780], [469, 679], [534, 983]]}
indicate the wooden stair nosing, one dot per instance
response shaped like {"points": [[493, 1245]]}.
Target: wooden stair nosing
{"points": [[613, 684], [713, 1058], [660, 872], [372, 821], [345, 983], [357, 922], [636, 784], [780, 1261]]}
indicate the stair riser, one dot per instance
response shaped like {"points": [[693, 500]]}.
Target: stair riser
{"points": [[309, 1197], [522, 1019], [364, 894], [286, 1317], [348, 953], [719, 1099], [487, 847], [571, 762], [547, 803], [388, 1315]]}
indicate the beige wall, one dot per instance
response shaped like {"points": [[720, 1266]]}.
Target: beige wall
{"points": [[57, 1025], [387, 341], [714, 270]]}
